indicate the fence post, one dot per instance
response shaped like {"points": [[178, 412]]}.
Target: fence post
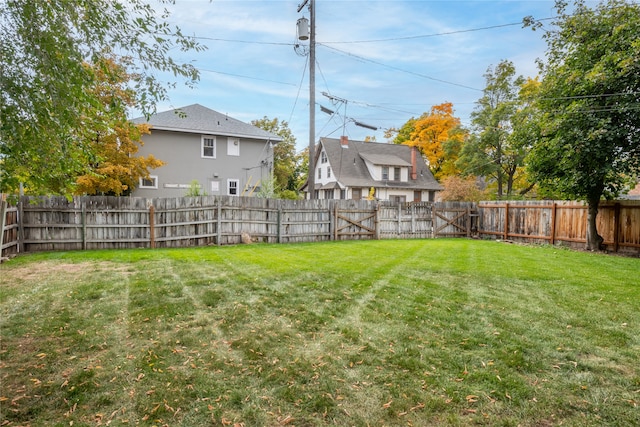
{"points": [[554, 212], [83, 218], [413, 217], [152, 227], [20, 226], [334, 224], [376, 221], [219, 230], [434, 234], [3, 222], [616, 227], [279, 226], [506, 221]]}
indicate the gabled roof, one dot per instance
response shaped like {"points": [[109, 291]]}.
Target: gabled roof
{"points": [[349, 167], [198, 119], [382, 159]]}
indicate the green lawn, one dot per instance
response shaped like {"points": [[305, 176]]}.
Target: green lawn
{"points": [[380, 333]]}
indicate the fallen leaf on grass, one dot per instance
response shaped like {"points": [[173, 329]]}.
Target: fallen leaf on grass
{"points": [[418, 406], [388, 404], [286, 420]]}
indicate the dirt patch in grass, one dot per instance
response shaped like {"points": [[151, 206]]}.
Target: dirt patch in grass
{"points": [[59, 270]]}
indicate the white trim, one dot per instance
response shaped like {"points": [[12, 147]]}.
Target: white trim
{"points": [[204, 138], [219, 133], [152, 178], [233, 146], [237, 187]]}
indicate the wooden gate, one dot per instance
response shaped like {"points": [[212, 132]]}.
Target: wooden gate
{"points": [[9, 230], [454, 219], [355, 221]]}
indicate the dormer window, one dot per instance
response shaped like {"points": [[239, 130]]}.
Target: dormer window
{"points": [[385, 173], [396, 174]]}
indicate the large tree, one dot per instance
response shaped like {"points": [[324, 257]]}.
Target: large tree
{"points": [[114, 140], [491, 150], [439, 136], [45, 89], [286, 176], [590, 121]]}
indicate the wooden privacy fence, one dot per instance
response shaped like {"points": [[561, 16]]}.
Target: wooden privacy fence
{"points": [[562, 222], [8, 229], [55, 223]]}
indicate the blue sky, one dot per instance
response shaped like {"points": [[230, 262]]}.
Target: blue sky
{"points": [[391, 60]]}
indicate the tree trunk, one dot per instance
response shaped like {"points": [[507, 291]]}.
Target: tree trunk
{"points": [[594, 240], [499, 180]]}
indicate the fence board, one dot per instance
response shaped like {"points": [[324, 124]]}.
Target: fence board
{"points": [[405, 221], [453, 219], [562, 222], [55, 223], [9, 229]]}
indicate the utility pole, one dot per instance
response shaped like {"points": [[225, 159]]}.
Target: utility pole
{"points": [[311, 187]]}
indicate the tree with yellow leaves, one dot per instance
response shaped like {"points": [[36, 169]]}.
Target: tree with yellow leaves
{"points": [[115, 169], [439, 137]]}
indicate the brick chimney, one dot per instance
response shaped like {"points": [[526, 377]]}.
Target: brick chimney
{"points": [[344, 141], [414, 166]]}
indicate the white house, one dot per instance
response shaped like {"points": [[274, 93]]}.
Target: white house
{"points": [[346, 169]]}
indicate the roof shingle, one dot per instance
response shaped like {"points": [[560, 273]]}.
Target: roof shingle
{"points": [[198, 119], [349, 168]]}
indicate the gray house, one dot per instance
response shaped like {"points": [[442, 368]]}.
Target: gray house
{"points": [[350, 169], [224, 155]]}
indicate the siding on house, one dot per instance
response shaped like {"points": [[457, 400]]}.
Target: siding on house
{"points": [[348, 169], [241, 156]]}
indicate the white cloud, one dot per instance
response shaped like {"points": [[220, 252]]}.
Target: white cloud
{"points": [[264, 76]]}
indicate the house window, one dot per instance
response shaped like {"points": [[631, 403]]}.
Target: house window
{"points": [[343, 194], [151, 182], [328, 194], [233, 147], [208, 147], [385, 173], [396, 174], [417, 196], [319, 173], [323, 157], [397, 199], [356, 193], [232, 187], [329, 172]]}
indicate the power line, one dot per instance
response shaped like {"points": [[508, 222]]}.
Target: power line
{"points": [[299, 89], [424, 76], [216, 39], [599, 95], [424, 36], [246, 77]]}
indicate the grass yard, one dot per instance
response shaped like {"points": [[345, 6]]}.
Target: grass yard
{"points": [[379, 333]]}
